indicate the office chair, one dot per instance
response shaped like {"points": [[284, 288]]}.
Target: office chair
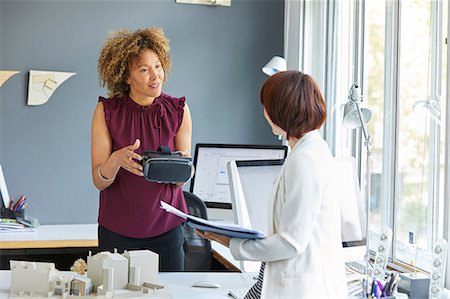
{"points": [[197, 250]]}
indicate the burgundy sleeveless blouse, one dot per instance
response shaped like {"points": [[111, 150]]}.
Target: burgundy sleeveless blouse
{"points": [[130, 206]]}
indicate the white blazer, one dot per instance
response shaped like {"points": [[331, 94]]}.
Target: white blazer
{"points": [[303, 252]]}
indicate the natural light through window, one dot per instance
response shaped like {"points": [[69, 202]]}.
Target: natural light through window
{"points": [[405, 85]]}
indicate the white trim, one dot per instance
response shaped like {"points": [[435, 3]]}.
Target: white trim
{"points": [[447, 160], [434, 146], [388, 185], [293, 33]]}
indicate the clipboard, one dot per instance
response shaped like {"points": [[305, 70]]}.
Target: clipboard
{"points": [[230, 230], [229, 233]]}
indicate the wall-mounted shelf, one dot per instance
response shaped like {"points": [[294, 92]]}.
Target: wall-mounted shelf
{"points": [[206, 2]]}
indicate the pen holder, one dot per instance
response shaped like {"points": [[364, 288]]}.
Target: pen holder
{"points": [[7, 213]]}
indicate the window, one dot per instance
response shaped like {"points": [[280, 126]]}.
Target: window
{"points": [[396, 51], [404, 79]]}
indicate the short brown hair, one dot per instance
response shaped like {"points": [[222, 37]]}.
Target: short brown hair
{"points": [[294, 102], [121, 48]]}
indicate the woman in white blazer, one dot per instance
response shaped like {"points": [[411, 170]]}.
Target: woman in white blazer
{"points": [[302, 256]]}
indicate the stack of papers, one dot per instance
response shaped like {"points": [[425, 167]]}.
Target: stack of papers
{"points": [[233, 231], [7, 224]]}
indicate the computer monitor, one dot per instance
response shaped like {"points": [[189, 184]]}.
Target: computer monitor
{"points": [[210, 181], [4, 194], [251, 184]]}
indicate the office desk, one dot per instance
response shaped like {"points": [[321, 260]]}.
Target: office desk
{"points": [[179, 283], [76, 239], [52, 236], [61, 244]]}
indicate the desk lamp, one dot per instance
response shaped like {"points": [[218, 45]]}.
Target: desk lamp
{"points": [[356, 116], [275, 65]]}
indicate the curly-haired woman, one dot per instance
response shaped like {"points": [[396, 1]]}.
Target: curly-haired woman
{"points": [[137, 116]]}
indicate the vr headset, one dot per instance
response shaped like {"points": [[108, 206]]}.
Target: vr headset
{"points": [[164, 166]]}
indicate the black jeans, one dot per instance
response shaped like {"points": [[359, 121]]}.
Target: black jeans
{"points": [[169, 246]]}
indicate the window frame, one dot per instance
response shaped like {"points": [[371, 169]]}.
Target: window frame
{"points": [[327, 18], [390, 143]]}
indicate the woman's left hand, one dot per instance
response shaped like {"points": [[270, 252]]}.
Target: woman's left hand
{"points": [[224, 240], [185, 154]]}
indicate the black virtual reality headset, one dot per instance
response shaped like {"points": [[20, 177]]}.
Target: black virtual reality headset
{"points": [[164, 166]]}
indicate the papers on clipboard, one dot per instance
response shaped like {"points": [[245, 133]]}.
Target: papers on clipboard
{"points": [[230, 230]]}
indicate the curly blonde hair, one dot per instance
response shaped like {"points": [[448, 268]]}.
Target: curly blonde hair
{"points": [[124, 46]]}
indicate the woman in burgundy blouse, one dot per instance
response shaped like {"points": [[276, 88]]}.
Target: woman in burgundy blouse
{"points": [[137, 116]]}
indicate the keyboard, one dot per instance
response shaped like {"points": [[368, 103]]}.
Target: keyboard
{"points": [[359, 267], [238, 293]]}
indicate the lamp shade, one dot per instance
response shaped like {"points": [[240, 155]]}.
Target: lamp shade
{"points": [[275, 65], [351, 118]]}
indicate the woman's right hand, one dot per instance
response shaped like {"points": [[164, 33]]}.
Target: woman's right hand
{"points": [[126, 158]]}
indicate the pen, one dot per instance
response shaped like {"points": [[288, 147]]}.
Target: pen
{"points": [[25, 204], [387, 286], [19, 202], [373, 289], [380, 287], [394, 285], [19, 207], [390, 287]]}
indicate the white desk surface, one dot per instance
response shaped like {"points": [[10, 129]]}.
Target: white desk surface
{"points": [[179, 283]]}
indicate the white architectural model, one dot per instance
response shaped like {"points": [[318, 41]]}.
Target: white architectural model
{"points": [[62, 284], [32, 278], [143, 266], [107, 260], [107, 273], [81, 286]]}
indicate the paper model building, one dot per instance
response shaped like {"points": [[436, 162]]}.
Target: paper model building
{"points": [[143, 266], [32, 278], [116, 278], [42, 84], [81, 286], [108, 274], [62, 284]]}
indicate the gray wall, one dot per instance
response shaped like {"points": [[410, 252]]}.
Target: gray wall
{"points": [[217, 54]]}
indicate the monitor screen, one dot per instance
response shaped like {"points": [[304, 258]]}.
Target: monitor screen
{"points": [[4, 194], [210, 181], [251, 184]]}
